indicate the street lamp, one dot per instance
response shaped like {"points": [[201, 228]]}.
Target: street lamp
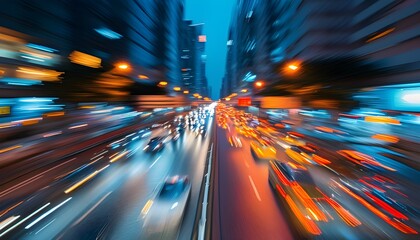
{"points": [[292, 67], [259, 84], [162, 84], [244, 90], [177, 89], [186, 92], [122, 66]]}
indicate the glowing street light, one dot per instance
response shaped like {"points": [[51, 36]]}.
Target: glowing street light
{"points": [[259, 84], [122, 66], [163, 83], [177, 89], [244, 90], [293, 67], [141, 76], [186, 92]]}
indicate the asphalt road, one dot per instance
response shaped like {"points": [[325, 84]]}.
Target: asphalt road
{"points": [[245, 207], [244, 204], [101, 192]]}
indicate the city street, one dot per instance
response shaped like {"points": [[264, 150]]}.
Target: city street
{"points": [[112, 195], [209, 120]]}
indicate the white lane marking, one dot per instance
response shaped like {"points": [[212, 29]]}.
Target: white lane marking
{"points": [[19, 185], [23, 220], [154, 162], [47, 213], [246, 163], [202, 224], [91, 209], [255, 189], [45, 226], [8, 221]]}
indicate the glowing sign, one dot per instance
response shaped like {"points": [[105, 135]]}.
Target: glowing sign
{"points": [[37, 74], [4, 110], [244, 101], [412, 97], [202, 38], [108, 33], [41, 48], [85, 59], [280, 102]]}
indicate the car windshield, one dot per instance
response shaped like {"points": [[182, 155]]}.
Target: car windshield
{"points": [[302, 177], [172, 190]]}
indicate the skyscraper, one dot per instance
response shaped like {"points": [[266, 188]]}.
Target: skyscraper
{"points": [[266, 34], [193, 59], [131, 42]]}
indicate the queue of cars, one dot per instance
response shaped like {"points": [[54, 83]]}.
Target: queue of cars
{"points": [[326, 191], [163, 214]]}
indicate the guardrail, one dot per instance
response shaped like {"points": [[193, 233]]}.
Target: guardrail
{"points": [[203, 216]]}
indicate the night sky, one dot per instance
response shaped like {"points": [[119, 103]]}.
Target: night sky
{"points": [[216, 15]]}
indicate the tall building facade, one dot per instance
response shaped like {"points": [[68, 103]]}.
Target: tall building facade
{"points": [[131, 42], [265, 34], [193, 59], [388, 33]]}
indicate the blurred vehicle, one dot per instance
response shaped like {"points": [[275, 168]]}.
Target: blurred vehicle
{"points": [[263, 150], [280, 125], [164, 216], [363, 160], [145, 133], [314, 211], [175, 135], [155, 144], [293, 139], [180, 129], [167, 125], [200, 130], [156, 125], [295, 153]]}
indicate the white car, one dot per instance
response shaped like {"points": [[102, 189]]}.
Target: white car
{"points": [[165, 215]]}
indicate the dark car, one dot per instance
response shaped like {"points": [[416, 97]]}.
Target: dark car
{"points": [[155, 144]]}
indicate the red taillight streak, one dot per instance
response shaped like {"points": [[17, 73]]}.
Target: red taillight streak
{"points": [[397, 224], [387, 207], [280, 175], [281, 191], [371, 185]]}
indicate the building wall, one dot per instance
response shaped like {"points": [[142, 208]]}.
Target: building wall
{"points": [[266, 34], [149, 34]]}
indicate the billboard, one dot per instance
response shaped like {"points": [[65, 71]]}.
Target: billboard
{"points": [[280, 102], [244, 101], [202, 38], [4, 110]]}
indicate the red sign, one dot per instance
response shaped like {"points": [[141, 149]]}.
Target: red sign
{"points": [[202, 38], [244, 101]]}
